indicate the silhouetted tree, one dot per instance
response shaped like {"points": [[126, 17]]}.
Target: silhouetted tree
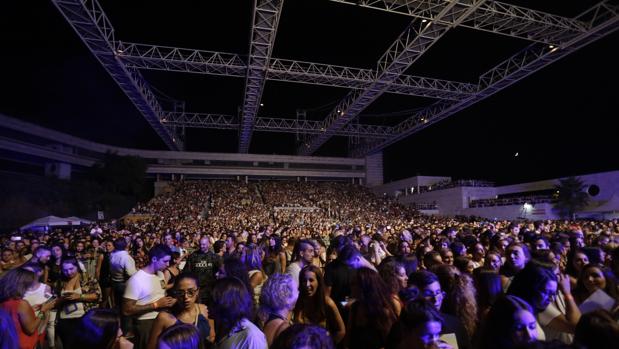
{"points": [[571, 196]]}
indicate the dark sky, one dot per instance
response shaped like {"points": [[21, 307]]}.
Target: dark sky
{"points": [[561, 120]]}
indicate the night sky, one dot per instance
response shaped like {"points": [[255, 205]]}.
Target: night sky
{"points": [[562, 120]]}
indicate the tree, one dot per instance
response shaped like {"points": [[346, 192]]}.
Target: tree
{"points": [[571, 196]]}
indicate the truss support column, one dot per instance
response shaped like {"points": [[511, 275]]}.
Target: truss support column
{"points": [[374, 169]]}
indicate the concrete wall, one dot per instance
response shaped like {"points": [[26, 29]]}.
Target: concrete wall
{"points": [[608, 182], [537, 212], [449, 201], [402, 185]]}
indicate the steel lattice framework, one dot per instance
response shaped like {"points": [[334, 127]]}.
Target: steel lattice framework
{"points": [[93, 27], [491, 16], [281, 125], [264, 28], [552, 37], [418, 37], [185, 60], [601, 20]]}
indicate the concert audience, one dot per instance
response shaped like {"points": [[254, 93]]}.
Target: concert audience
{"points": [[332, 238]]}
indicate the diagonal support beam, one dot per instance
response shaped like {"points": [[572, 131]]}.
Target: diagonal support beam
{"points": [[264, 27], [492, 16], [265, 124], [416, 39], [89, 21], [602, 20]]}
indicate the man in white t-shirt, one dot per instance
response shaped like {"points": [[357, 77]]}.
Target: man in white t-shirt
{"points": [[145, 293]]}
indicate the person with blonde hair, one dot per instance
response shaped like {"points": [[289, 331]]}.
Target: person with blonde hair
{"points": [[278, 298]]}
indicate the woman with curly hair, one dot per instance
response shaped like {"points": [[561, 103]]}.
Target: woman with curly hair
{"points": [[372, 313], [460, 295], [278, 298], [315, 307]]}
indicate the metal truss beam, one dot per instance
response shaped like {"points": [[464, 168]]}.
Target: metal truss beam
{"points": [[89, 21], [155, 57], [217, 63], [492, 16], [281, 125], [602, 19], [264, 27], [416, 39]]}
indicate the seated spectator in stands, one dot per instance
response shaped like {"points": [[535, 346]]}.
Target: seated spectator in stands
{"points": [[13, 285], [231, 310], [315, 307], [303, 336], [278, 298], [78, 293], [180, 336], [460, 296], [419, 327], [509, 324], [597, 329], [186, 310], [595, 277], [516, 257], [372, 313], [430, 289], [100, 329], [145, 293]]}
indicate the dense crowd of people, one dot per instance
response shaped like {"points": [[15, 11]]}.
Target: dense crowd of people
{"points": [[222, 264]]}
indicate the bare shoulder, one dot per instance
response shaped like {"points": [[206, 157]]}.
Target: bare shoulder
{"points": [[165, 318], [203, 309], [329, 301]]}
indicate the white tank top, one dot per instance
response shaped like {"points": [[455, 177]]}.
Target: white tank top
{"points": [[37, 297]]}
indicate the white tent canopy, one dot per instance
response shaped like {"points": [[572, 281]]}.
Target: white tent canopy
{"points": [[54, 221]]}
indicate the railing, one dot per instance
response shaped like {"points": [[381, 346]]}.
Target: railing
{"points": [[531, 200]]}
